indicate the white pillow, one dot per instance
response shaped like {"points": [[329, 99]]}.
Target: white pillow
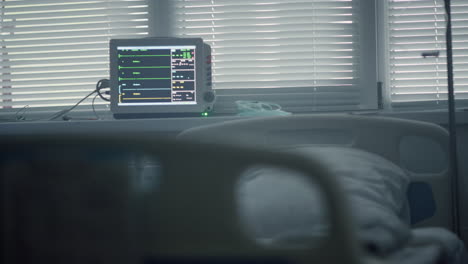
{"points": [[366, 175], [275, 204]]}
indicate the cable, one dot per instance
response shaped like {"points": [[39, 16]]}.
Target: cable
{"points": [[452, 120], [19, 115], [94, 109], [63, 112], [103, 83]]}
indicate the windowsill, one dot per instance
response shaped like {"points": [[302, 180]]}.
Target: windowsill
{"points": [[172, 126], [434, 116]]}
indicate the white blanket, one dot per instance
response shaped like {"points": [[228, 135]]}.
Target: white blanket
{"points": [[281, 207]]}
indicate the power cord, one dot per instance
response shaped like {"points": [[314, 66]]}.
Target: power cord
{"points": [[101, 84], [65, 111], [19, 115], [94, 108]]}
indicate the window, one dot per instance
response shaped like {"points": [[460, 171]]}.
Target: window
{"points": [[417, 26], [53, 52], [305, 55], [308, 55]]}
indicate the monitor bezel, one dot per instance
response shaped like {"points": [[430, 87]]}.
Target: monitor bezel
{"points": [[148, 110]]}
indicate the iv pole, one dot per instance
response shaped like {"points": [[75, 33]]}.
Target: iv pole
{"points": [[452, 120]]}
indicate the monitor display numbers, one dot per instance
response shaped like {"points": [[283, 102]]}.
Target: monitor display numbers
{"points": [[156, 75]]}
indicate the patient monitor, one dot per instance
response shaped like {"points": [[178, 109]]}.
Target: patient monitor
{"points": [[160, 77]]}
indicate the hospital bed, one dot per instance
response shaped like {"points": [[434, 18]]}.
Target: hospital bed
{"points": [[127, 198], [422, 180], [420, 148]]}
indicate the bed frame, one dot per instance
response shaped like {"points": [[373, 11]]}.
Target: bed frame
{"points": [[81, 184], [72, 198], [419, 148]]}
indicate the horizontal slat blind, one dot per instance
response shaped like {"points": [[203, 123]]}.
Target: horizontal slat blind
{"points": [[279, 44], [417, 26], [53, 52]]}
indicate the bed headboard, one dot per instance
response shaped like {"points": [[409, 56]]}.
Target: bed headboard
{"points": [[420, 148]]}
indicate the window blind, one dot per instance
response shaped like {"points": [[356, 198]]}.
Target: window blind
{"points": [[53, 52], [417, 26], [309, 47]]}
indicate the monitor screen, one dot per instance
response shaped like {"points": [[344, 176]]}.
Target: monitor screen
{"points": [[160, 77], [156, 75]]}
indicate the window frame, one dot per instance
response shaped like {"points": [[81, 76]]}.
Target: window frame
{"points": [[383, 60]]}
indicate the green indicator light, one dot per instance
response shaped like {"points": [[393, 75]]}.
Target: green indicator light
{"points": [[204, 114], [136, 61]]}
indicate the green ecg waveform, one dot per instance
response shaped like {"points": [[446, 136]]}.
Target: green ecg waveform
{"points": [[145, 67], [162, 55], [136, 79]]}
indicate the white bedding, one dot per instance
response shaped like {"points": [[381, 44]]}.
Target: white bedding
{"points": [[284, 211]]}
